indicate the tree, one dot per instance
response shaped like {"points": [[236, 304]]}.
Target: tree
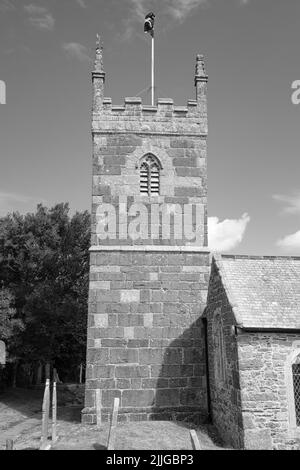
{"points": [[10, 326], [44, 262]]}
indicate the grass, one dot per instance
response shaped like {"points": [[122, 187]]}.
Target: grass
{"points": [[20, 420]]}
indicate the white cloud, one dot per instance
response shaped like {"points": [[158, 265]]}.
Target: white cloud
{"points": [[81, 3], [290, 243], [292, 203], [176, 10], [77, 51], [40, 17], [139, 7], [33, 9], [181, 9], [226, 235], [6, 5]]}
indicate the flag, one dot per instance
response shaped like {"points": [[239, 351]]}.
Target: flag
{"points": [[149, 23]]}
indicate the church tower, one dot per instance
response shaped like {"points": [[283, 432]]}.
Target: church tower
{"points": [[149, 259]]}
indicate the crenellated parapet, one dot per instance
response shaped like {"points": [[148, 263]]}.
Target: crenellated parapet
{"points": [[164, 117], [191, 118], [165, 107]]}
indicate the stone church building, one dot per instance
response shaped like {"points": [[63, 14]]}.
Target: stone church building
{"points": [[253, 330], [174, 331]]}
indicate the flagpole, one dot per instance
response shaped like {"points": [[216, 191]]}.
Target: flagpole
{"points": [[152, 70], [149, 28]]}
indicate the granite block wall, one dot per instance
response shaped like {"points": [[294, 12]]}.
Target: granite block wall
{"points": [[145, 336], [177, 138], [267, 395]]}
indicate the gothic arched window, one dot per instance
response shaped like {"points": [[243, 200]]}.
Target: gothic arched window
{"points": [[150, 176]]}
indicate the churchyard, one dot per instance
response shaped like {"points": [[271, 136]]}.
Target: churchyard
{"points": [[21, 421]]}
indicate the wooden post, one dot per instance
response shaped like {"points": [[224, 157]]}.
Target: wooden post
{"points": [[45, 414], [195, 440], [9, 444], [54, 413], [47, 371], [113, 425], [98, 407]]}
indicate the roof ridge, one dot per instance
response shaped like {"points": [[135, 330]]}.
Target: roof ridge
{"points": [[260, 257]]}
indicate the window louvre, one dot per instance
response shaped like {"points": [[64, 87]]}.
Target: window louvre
{"points": [[150, 176], [144, 179], [154, 184]]}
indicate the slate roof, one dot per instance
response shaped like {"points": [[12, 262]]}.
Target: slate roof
{"points": [[263, 291]]}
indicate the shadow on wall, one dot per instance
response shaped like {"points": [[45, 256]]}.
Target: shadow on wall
{"points": [[181, 384], [224, 377]]}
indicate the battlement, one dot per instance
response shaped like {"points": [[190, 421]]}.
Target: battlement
{"points": [[133, 106], [166, 117]]}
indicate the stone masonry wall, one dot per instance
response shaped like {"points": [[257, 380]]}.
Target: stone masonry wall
{"points": [[145, 337], [254, 407], [122, 136], [225, 395], [266, 389]]}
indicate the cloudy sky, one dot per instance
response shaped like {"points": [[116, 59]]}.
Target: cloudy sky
{"points": [[252, 57]]}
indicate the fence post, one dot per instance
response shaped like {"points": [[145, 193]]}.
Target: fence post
{"points": [[195, 440], [98, 407], [45, 413], [54, 413], [47, 370], [113, 426]]}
